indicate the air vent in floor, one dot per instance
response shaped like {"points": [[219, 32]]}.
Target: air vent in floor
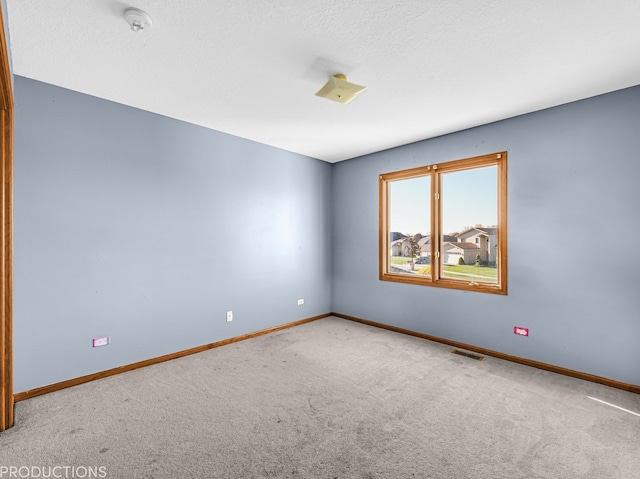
{"points": [[468, 355]]}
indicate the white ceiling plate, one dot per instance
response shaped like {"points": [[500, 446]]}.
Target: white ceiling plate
{"points": [[252, 68]]}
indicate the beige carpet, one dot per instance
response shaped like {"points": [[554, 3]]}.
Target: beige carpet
{"points": [[329, 399]]}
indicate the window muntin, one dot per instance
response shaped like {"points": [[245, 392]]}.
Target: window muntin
{"points": [[445, 225]]}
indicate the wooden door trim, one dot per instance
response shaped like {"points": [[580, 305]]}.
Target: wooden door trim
{"points": [[6, 236]]}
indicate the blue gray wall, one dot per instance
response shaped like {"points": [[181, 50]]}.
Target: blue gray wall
{"points": [[148, 229], [574, 268]]}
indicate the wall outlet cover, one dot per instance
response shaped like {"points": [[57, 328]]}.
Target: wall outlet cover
{"points": [[520, 331], [102, 341]]}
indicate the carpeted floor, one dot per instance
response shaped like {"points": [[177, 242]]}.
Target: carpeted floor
{"points": [[329, 399]]}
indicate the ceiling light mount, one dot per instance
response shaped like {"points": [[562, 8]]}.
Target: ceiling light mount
{"points": [[339, 89], [137, 19]]}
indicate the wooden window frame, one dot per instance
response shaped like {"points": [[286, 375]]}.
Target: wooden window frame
{"points": [[435, 173]]}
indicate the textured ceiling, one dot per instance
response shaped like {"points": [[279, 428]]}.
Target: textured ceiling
{"points": [[251, 68]]}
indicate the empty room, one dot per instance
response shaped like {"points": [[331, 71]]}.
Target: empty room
{"points": [[319, 239]]}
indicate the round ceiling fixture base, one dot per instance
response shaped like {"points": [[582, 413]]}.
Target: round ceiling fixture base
{"points": [[137, 19]]}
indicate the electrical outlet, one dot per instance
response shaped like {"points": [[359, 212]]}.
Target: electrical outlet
{"points": [[521, 331], [229, 316], [300, 302], [103, 341]]}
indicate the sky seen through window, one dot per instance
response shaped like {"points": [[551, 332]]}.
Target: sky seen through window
{"points": [[469, 197]]}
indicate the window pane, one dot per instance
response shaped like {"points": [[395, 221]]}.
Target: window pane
{"points": [[409, 224], [470, 225]]}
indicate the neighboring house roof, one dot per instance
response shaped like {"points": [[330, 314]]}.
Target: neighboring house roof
{"points": [[398, 241], [424, 240], [460, 245], [396, 236], [487, 231]]}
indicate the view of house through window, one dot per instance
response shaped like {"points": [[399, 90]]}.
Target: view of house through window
{"points": [[409, 215], [470, 224], [445, 225]]}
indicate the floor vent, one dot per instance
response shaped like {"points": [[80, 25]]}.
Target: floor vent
{"points": [[468, 355]]}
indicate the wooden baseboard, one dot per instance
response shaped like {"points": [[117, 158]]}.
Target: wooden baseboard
{"points": [[31, 393], [496, 354]]}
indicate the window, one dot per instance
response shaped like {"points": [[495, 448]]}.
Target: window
{"points": [[445, 225]]}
